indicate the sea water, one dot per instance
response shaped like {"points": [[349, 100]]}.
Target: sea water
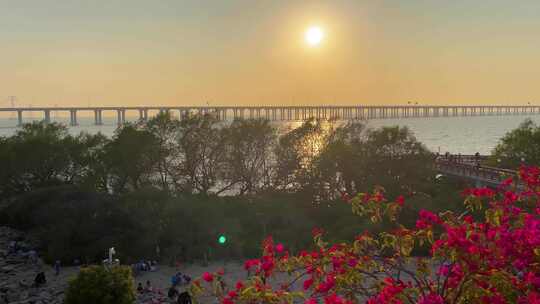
{"points": [[465, 135]]}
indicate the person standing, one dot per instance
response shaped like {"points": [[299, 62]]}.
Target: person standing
{"points": [[57, 267]]}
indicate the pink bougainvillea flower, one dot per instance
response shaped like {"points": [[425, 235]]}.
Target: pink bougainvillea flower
{"points": [[227, 300], [317, 232], [431, 298], [239, 285], [400, 200], [208, 277], [308, 283]]}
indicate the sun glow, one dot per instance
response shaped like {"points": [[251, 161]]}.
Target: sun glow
{"points": [[314, 36]]}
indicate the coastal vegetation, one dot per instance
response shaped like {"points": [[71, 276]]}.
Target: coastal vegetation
{"points": [[196, 190], [488, 254], [167, 189], [520, 146]]}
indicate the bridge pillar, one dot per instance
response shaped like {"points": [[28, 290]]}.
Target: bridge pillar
{"points": [[97, 118], [121, 117], [19, 118], [47, 118], [142, 115], [73, 118]]}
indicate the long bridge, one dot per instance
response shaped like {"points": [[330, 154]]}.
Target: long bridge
{"points": [[286, 113]]}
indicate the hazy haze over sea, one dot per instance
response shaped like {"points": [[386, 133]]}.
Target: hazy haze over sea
{"points": [[466, 135]]}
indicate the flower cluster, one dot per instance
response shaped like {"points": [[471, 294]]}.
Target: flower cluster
{"points": [[490, 255]]}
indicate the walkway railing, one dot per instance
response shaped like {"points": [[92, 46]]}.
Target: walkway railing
{"points": [[471, 167]]}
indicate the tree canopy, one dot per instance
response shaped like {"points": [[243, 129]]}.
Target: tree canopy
{"points": [[518, 147]]}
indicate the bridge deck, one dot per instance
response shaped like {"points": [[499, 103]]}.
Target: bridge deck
{"points": [[292, 113], [470, 167]]}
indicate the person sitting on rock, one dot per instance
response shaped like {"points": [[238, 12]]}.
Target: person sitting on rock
{"points": [[148, 287], [32, 257], [174, 280], [172, 293], [186, 278], [140, 288], [184, 298], [12, 247], [40, 279]]}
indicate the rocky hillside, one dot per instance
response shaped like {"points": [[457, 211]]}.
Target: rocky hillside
{"points": [[19, 265]]}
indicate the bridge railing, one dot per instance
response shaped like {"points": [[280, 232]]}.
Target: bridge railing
{"points": [[462, 158], [474, 170]]}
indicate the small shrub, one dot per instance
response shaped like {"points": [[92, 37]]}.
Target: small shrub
{"points": [[97, 284]]}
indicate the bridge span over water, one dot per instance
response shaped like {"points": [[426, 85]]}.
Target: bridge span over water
{"points": [[286, 113]]}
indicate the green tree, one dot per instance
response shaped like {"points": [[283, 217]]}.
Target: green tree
{"points": [[295, 155], [250, 145], [165, 130], [202, 144], [340, 162], [356, 159], [86, 154], [519, 146], [38, 155], [397, 161], [98, 284], [131, 158]]}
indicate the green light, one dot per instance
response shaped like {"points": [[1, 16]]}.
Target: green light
{"points": [[222, 239]]}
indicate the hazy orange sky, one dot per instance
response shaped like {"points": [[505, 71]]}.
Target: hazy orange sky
{"points": [[252, 52]]}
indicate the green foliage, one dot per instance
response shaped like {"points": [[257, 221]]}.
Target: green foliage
{"points": [[43, 155], [249, 155], [357, 160], [98, 284], [179, 184], [76, 224], [72, 224], [519, 146], [130, 157]]}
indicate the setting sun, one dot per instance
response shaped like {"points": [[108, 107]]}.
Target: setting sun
{"points": [[314, 36]]}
